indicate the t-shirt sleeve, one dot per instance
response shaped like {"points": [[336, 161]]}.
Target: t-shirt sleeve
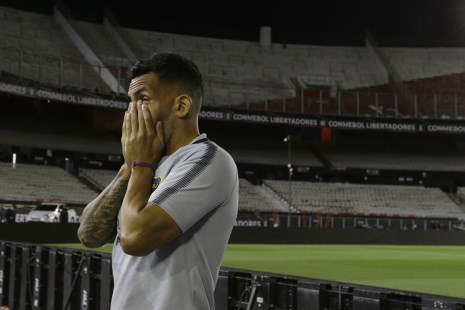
{"points": [[196, 186]]}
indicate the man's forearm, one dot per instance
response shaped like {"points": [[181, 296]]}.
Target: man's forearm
{"points": [[99, 217]]}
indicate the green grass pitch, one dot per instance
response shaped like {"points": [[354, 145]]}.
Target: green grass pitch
{"points": [[437, 270]]}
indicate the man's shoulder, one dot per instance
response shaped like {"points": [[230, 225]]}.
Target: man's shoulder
{"points": [[223, 152], [204, 152]]}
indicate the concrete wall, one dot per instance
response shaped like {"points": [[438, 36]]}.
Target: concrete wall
{"points": [[66, 233]]}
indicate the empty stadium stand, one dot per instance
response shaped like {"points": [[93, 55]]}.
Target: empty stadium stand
{"points": [[36, 183], [333, 80], [34, 47], [251, 196], [314, 80], [396, 161], [99, 177], [386, 200]]}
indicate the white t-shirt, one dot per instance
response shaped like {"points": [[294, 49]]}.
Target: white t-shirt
{"points": [[198, 187]]}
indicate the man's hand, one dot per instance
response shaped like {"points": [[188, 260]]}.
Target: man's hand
{"points": [[141, 140]]}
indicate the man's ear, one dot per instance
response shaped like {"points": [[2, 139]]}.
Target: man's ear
{"points": [[183, 105]]}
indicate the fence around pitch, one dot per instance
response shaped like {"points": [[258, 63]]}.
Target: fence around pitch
{"points": [[40, 277]]}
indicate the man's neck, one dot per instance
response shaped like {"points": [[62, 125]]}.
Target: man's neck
{"points": [[177, 142]]}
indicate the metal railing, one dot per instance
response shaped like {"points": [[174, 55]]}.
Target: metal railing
{"points": [[328, 220]]}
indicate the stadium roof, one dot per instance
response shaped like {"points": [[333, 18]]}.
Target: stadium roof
{"points": [[427, 23]]}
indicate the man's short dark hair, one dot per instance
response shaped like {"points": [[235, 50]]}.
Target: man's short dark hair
{"points": [[171, 68]]}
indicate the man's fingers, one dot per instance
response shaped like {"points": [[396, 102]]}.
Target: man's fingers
{"points": [[140, 117], [147, 120], [133, 117], [123, 129], [160, 133], [124, 133], [127, 125]]}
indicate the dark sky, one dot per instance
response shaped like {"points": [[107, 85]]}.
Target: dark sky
{"points": [[392, 22], [418, 23]]}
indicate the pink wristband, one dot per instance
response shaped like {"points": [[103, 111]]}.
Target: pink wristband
{"points": [[133, 165]]}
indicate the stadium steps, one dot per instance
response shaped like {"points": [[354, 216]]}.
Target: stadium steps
{"points": [[459, 199], [271, 199], [278, 197], [88, 183]]}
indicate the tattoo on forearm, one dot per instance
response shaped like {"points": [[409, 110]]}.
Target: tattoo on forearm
{"points": [[99, 217]]}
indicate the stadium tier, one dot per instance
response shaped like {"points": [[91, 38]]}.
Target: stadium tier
{"points": [[58, 52], [35, 183], [64, 53], [419, 162], [251, 196], [99, 177], [378, 200], [35, 47]]}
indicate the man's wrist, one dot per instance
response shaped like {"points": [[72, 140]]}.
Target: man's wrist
{"points": [[142, 164], [125, 172]]}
